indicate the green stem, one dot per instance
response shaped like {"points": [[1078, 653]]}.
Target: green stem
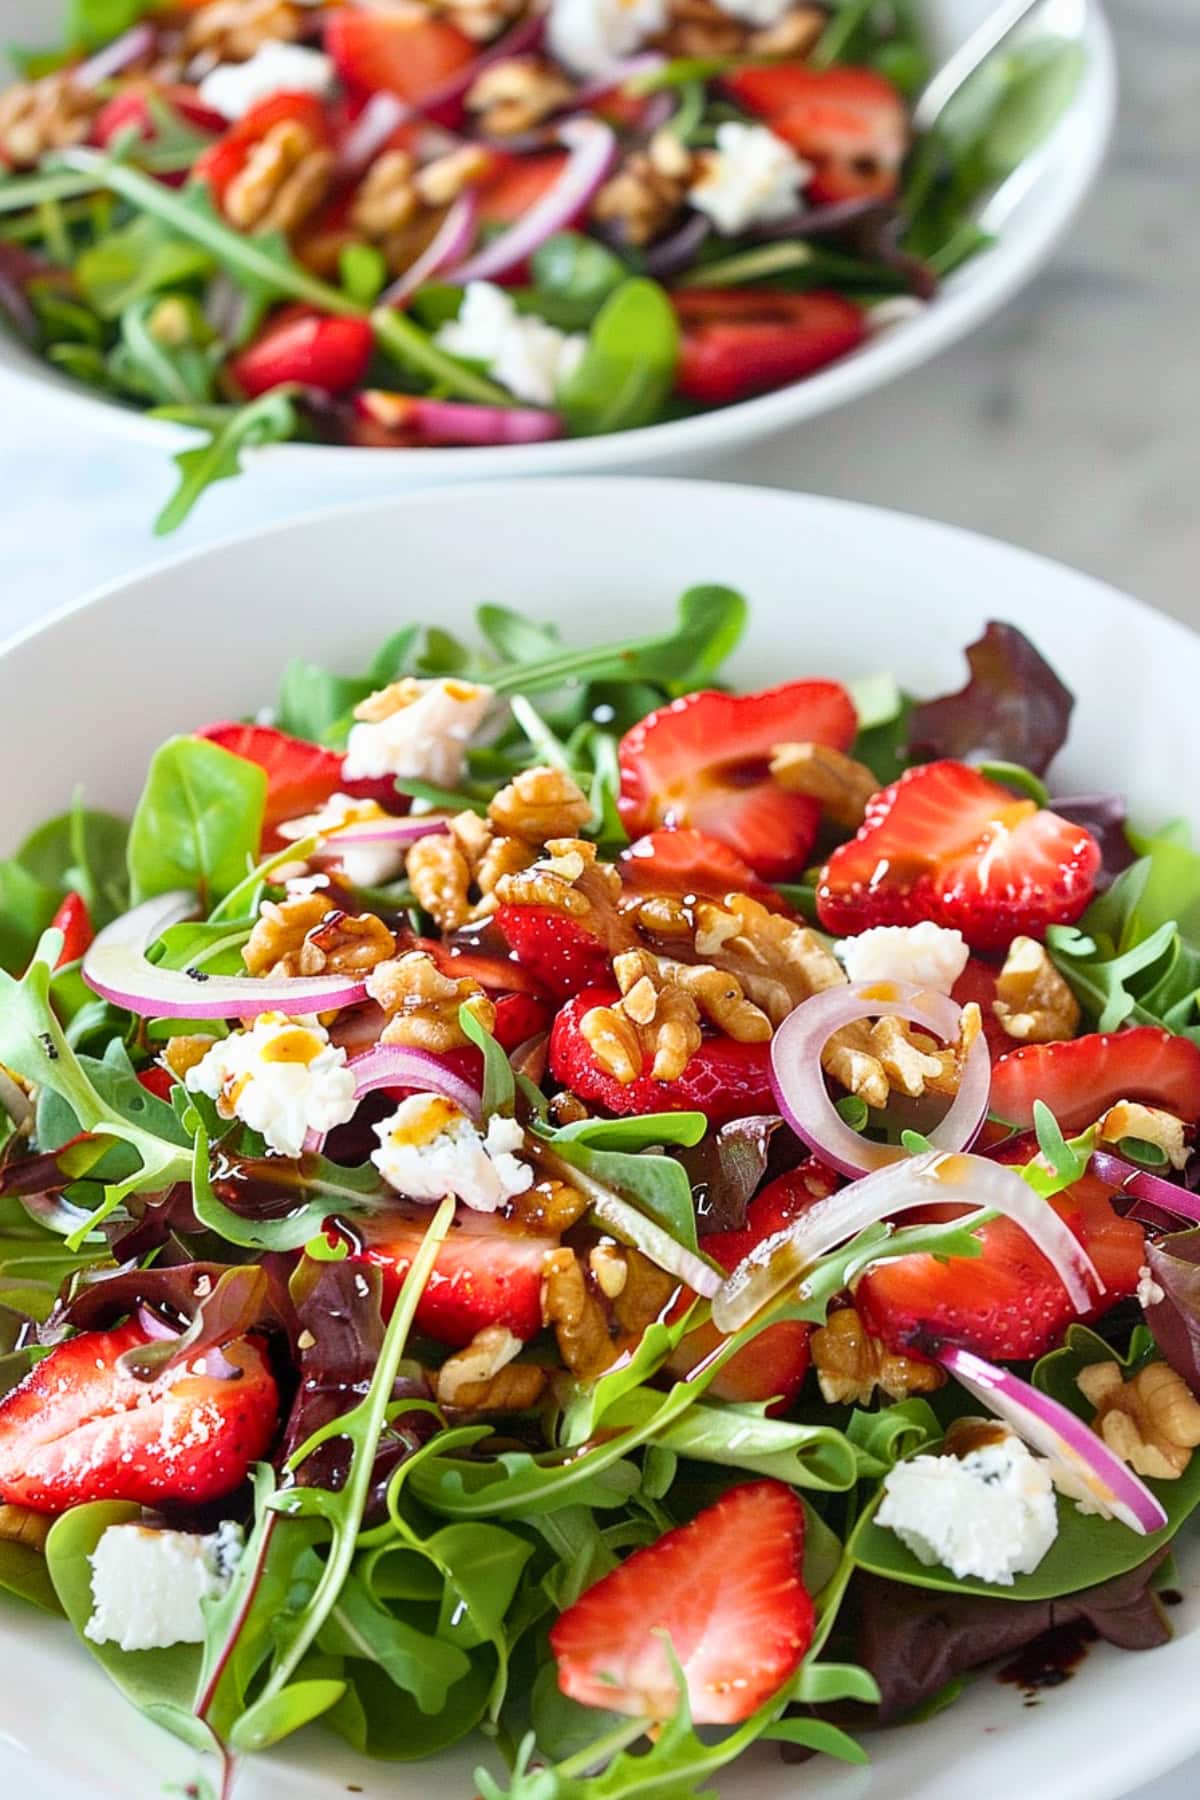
{"points": [[400, 337], [604, 1749], [24, 191]]}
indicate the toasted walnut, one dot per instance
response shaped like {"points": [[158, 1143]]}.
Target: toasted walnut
{"points": [[483, 1377], [873, 1060], [1152, 1422], [658, 1017], [305, 936], [422, 1004], [284, 180], [517, 94], [550, 1206], [482, 20], [184, 1053], [580, 1323], [615, 1041], [793, 36], [570, 880], [39, 116], [1129, 1119], [841, 785], [851, 1364], [20, 1525], [540, 804], [232, 30], [1033, 1002], [446, 177], [643, 1296], [386, 199], [440, 878], [778, 962], [701, 28], [648, 191], [567, 1108]]}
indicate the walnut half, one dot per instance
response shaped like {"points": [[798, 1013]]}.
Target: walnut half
{"points": [[1152, 1421], [851, 1364], [1033, 1002]]}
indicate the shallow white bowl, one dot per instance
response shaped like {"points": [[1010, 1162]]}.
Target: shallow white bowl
{"points": [[1030, 216], [836, 590]]}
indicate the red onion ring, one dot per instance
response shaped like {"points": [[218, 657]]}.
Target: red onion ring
{"points": [[799, 1081], [457, 421], [593, 148], [1143, 1184], [382, 115], [386, 830], [937, 1176], [1082, 1463], [138, 41], [399, 1066], [451, 241], [115, 967]]}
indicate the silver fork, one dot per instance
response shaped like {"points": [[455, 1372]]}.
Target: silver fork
{"points": [[958, 68]]}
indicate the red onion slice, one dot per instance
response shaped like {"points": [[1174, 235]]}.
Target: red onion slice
{"points": [[1143, 1184], [385, 830], [933, 1178], [451, 241], [1082, 1465], [115, 967], [382, 115], [799, 1081], [133, 44], [398, 1066], [593, 149], [457, 421]]}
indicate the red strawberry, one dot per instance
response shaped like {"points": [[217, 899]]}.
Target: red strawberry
{"points": [[520, 1017], [497, 974], [300, 776], [723, 1079], [1006, 1304], [157, 1080], [978, 983], [556, 949], [1080, 1079], [850, 124], [80, 1428], [690, 862], [487, 1272], [704, 761], [409, 54], [946, 844], [727, 1590], [75, 922]]}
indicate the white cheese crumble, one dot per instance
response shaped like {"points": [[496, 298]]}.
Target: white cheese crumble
{"points": [[529, 357], [430, 1148], [926, 954], [364, 865], [233, 88], [282, 1078], [1148, 1291], [750, 178], [990, 1514], [147, 1585], [590, 37], [424, 739]]}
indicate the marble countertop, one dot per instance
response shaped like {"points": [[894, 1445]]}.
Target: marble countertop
{"points": [[1070, 424]]}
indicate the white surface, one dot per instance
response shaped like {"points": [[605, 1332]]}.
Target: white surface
{"points": [[847, 592]]}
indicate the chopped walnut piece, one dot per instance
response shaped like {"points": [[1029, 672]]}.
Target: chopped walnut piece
{"points": [[792, 36], [643, 1295], [21, 1525], [1152, 1421], [842, 786], [39, 116], [440, 878], [1033, 1002], [1130, 1119], [873, 1059], [422, 1004], [232, 30], [778, 961], [483, 1377], [615, 1042], [701, 28], [570, 880], [549, 1206], [648, 191], [517, 94], [851, 1364], [183, 1053], [658, 1017], [482, 20], [581, 1326], [305, 936], [444, 178], [566, 1108], [386, 199], [285, 178], [540, 804]]}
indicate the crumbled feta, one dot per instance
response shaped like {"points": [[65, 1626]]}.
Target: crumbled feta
{"points": [[282, 1078], [990, 1514], [589, 37], [750, 178], [529, 357], [430, 1148], [147, 1585], [927, 954], [1148, 1291], [233, 88], [364, 865], [424, 739]]}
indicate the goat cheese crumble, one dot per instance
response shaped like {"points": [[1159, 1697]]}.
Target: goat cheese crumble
{"points": [[989, 1515], [750, 178], [424, 738], [927, 954], [364, 865], [430, 1148], [589, 37], [527, 356], [147, 1585], [233, 88], [282, 1078]]}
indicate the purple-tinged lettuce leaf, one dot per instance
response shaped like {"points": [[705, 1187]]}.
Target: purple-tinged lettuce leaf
{"points": [[1013, 709], [725, 1169], [1104, 815], [1174, 1264]]}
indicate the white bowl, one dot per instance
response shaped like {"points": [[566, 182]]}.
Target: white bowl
{"points": [[836, 590], [1030, 215]]}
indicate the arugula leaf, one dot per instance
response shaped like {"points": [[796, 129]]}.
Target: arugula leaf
{"points": [[198, 822], [743, 1437], [628, 368], [135, 262], [313, 700], [82, 851], [27, 906], [401, 338], [514, 637], [884, 1438], [320, 1187], [271, 419], [1126, 962], [167, 353], [658, 1184], [499, 1083]]}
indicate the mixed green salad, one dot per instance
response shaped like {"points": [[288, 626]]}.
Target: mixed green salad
{"points": [[484, 222]]}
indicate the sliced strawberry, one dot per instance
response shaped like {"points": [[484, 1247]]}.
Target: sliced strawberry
{"points": [[520, 1017], [1006, 1304], [75, 922], [850, 124], [704, 761], [555, 949], [300, 776], [407, 53], [723, 1080], [496, 974], [519, 183], [321, 351], [1080, 1079], [79, 1427], [487, 1272], [742, 341], [157, 1080], [690, 862], [978, 983], [727, 1590], [946, 844]]}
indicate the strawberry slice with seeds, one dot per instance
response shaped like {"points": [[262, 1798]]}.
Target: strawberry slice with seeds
{"points": [[850, 124], [488, 1272], [409, 54], [556, 949], [1080, 1079], [704, 761], [1008, 1303], [726, 1589], [686, 862], [723, 1079], [80, 1427], [946, 844]]}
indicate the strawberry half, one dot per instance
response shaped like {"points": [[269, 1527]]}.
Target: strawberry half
{"points": [[723, 1080], [1080, 1079], [80, 1428], [704, 761], [487, 1272], [727, 1590], [556, 949], [850, 124], [1007, 1304], [690, 862], [946, 844], [409, 54]]}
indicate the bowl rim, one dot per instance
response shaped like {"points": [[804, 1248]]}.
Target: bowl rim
{"points": [[963, 303]]}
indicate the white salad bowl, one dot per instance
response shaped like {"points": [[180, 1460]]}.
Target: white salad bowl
{"points": [[835, 590], [1029, 216]]}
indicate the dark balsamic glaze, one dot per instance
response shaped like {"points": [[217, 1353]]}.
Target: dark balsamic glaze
{"points": [[1050, 1660]]}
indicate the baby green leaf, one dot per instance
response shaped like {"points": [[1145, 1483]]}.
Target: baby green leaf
{"points": [[198, 822], [629, 365]]}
